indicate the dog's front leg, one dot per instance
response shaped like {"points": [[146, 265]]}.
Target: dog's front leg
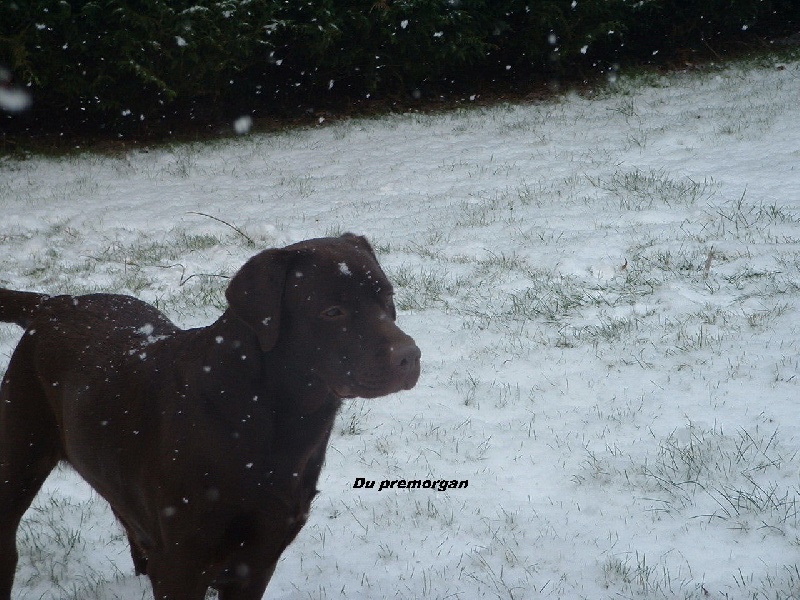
{"points": [[249, 585]]}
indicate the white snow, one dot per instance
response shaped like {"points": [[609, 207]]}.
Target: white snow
{"points": [[628, 420], [146, 329], [243, 124], [13, 99]]}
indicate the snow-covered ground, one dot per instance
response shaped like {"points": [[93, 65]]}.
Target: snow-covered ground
{"points": [[606, 294]]}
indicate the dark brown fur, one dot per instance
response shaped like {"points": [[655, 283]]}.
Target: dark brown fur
{"points": [[206, 442]]}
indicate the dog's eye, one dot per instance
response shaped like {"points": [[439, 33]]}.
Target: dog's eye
{"points": [[333, 312]]}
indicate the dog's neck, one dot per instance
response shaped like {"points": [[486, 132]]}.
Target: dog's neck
{"points": [[229, 344], [292, 424]]}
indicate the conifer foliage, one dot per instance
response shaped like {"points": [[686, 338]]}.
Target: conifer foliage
{"points": [[120, 62]]}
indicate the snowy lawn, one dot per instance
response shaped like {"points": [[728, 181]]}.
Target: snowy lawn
{"points": [[606, 294]]}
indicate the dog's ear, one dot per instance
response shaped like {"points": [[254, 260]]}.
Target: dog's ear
{"points": [[360, 241], [255, 294]]}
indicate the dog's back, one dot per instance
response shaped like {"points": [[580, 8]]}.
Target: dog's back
{"points": [[74, 313], [78, 349], [19, 307]]}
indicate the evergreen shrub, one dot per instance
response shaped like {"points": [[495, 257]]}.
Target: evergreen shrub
{"points": [[135, 63]]}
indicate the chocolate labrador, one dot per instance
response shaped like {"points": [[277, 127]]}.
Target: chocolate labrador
{"points": [[207, 442]]}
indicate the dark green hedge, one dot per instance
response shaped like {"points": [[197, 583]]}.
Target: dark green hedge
{"points": [[131, 62]]}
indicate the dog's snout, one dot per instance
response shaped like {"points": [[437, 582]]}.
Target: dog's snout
{"points": [[405, 358]]}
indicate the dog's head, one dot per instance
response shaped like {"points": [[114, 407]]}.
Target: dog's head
{"points": [[326, 307]]}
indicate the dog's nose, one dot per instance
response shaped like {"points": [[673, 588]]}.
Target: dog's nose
{"points": [[405, 358]]}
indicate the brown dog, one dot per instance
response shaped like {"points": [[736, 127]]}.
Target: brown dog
{"points": [[206, 442]]}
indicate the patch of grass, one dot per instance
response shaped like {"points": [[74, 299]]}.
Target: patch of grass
{"points": [[146, 251], [550, 297], [642, 190], [747, 221], [610, 329], [635, 576], [726, 476], [424, 288], [54, 549], [353, 417]]}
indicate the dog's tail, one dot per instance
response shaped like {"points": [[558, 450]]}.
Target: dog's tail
{"points": [[19, 307]]}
